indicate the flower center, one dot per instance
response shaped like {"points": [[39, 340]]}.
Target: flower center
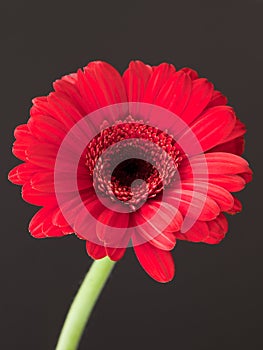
{"points": [[135, 177]]}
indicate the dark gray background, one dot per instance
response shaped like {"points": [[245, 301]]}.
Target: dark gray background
{"points": [[215, 302]]}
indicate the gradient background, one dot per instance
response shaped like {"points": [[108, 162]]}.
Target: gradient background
{"points": [[216, 300]]}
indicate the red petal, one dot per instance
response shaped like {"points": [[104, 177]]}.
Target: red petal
{"points": [[175, 93], [159, 232], [68, 87], [23, 140], [41, 225], [220, 195], [159, 239], [59, 220], [210, 128], [156, 262], [44, 182], [239, 130], [107, 223], [190, 203], [42, 154], [47, 129], [232, 183], [22, 173], [95, 251], [247, 175], [217, 99], [109, 87], [201, 94], [19, 150], [236, 208], [167, 216], [83, 216], [41, 106], [135, 80], [197, 233], [217, 230], [38, 107], [235, 146], [191, 72], [115, 254], [217, 163], [32, 196], [63, 110], [158, 78], [21, 131]]}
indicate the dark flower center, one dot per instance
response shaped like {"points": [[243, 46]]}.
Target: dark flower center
{"points": [[135, 177]]}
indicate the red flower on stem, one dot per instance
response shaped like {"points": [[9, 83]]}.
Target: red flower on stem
{"points": [[155, 185]]}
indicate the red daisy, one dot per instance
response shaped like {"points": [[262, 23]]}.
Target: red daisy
{"points": [[131, 175]]}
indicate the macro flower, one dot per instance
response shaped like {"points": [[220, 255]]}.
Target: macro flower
{"points": [[136, 184]]}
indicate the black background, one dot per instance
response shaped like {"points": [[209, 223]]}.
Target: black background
{"points": [[216, 300]]}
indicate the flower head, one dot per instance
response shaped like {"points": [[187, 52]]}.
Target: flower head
{"points": [[150, 157]]}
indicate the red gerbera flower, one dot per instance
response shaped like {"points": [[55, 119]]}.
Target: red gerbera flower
{"points": [[138, 181]]}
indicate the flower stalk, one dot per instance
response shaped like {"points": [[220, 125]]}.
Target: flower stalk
{"points": [[84, 303]]}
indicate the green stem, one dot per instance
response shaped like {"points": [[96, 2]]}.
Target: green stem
{"points": [[83, 304]]}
